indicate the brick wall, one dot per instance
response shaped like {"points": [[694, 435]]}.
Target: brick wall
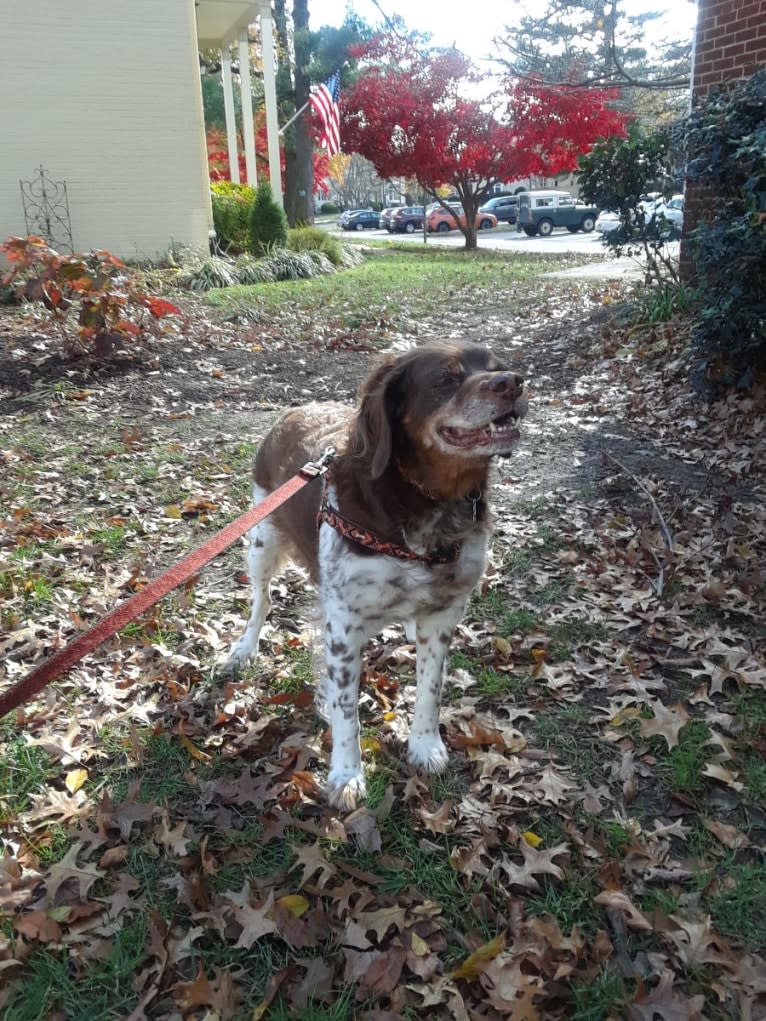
{"points": [[730, 43]]}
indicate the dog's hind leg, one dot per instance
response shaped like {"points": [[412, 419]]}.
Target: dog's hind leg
{"points": [[265, 556]]}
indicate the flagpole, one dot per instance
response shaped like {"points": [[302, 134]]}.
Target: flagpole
{"points": [[294, 117]]}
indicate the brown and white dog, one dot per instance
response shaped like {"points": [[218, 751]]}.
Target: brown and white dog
{"points": [[398, 533]]}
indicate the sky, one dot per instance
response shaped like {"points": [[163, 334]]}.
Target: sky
{"points": [[470, 26]]}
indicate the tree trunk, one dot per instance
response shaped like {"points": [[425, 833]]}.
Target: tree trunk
{"points": [[470, 233], [287, 107], [301, 208]]}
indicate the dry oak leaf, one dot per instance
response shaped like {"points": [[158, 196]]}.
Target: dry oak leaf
{"points": [[84, 875], [311, 859], [38, 925], [666, 1004], [171, 838], [729, 836], [536, 863], [200, 992], [698, 945], [621, 902], [667, 722], [380, 921], [255, 922], [553, 786]]}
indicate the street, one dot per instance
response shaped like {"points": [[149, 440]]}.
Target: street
{"points": [[503, 237]]}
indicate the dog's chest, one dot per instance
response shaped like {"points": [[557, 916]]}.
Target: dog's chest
{"points": [[382, 588]]}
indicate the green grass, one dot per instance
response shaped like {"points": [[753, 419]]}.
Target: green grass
{"points": [[24, 770], [681, 768], [599, 998], [570, 901], [55, 985], [738, 905], [161, 775], [568, 733], [394, 280]]}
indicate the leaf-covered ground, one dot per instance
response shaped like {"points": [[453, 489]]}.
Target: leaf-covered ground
{"points": [[596, 849]]}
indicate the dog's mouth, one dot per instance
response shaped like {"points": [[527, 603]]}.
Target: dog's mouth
{"points": [[499, 432]]}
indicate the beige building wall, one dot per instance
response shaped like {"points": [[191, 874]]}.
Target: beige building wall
{"points": [[106, 96]]}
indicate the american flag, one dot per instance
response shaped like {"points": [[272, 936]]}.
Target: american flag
{"points": [[324, 99]]}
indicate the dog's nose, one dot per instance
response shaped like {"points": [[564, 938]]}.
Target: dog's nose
{"points": [[505, 383]]}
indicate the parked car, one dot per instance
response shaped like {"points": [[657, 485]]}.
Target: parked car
{"points": [[407, 219], [672, 210], [441, 220], [669, 215], [343, 218], [362, 219], [385, 216], [504, 207], [607, 220], [541, 211]]}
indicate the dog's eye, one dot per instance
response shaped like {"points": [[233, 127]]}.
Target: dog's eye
{"points": [[451, 379]]}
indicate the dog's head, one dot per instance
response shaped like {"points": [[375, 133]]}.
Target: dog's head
{"points": [[453, 400]]}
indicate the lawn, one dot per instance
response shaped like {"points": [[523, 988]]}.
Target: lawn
{"points": [[596, 848]]}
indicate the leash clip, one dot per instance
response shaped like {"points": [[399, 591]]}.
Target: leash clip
{"points": [[313, 469]]}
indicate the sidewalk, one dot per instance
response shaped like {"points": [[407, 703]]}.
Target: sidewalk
{"points": [[624, 268]]}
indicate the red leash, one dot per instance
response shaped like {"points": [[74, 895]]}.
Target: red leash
{"points": [[66, 658]]}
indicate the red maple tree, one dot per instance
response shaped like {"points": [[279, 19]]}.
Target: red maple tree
{"points": [[218, 157], [415, 113]]}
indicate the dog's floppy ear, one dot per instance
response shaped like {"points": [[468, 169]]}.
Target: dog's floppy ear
{"points": [[370, 439]]}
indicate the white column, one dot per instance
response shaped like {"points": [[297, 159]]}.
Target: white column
{"points": [[270, 95], [231, 122], [247, 109]]}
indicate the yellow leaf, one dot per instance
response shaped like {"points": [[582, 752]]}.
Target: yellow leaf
{"points": [[471, 967], [532, 838], [173, 511], [294, 903], [502, 645], [389, 716], [419, 945], [75, 779], [370, 744], [194, 751], [630, 712]]}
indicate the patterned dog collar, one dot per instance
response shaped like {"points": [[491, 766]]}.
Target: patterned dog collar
{"points": [[376, 543]]}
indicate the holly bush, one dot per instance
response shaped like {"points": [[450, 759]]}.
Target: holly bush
{"points": [[268, 223], [726, 144], [232, 205]]}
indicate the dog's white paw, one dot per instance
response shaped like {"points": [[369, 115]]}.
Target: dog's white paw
{"points": [[427, 752], [346, 789], [241, 653]]}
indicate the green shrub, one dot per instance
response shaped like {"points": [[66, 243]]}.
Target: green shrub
{"points": [[351, 255], [328, 209], [232, 204], [616, 174], [726, 143], [314, 239], [268, 223], [213, 272], [322, 263], [254, 271], [287, 265]]}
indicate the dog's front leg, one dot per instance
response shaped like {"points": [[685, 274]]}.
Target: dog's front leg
{"points": [[343, 660], [425, 747]]}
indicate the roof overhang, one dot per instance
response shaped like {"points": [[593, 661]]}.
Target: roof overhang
{"points": [[221, 22]]}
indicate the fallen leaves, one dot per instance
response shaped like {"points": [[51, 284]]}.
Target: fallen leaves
{"points": [[559, 847]]}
